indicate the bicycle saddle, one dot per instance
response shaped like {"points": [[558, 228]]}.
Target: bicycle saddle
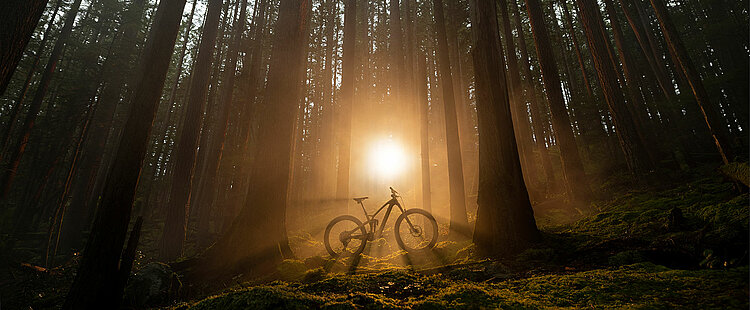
{"points": [[360, 199]]}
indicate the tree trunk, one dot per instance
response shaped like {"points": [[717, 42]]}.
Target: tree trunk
{"points": [[632, 146], [93, 286], [219, 135], [674, 42], [13, 117], [458, 219], [36, 104], [348, 79], [109, 98], [18, 19], [518, 110], [424, 137], [175, 226], [591, 123], [252, 243], [575, 178], [530, 88], [505, 221]]}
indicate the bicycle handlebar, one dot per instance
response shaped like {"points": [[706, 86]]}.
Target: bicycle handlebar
{"points": [[394, 193]]}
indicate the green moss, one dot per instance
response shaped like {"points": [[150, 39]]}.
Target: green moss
{"points": [[291, 269], [639, 286], [626, 258], [262, 297]]}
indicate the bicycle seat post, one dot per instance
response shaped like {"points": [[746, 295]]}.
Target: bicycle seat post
{"points": [[362, 204]]}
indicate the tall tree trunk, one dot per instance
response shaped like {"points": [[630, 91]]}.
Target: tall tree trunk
{"points": [[530, 88], [630, 142], [18, 19], [518, 111], [458, 219], [13, 117], [252, 243], [591, 123], [575, 178], [636, 24], [348, 79], [93, 286], [36, 104], [424, 137], [505, 221], [175, 226], [109, 98], [219, 135], [396, 50], [674, 42]]}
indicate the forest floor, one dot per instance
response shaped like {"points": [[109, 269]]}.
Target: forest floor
{"points": [[663, 245]]}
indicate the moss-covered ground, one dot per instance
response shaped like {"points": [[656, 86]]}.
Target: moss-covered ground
{"points": [[679, 246]]}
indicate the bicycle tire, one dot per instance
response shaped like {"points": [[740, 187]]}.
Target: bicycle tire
{"points": [[326, 239], [434, 230]]}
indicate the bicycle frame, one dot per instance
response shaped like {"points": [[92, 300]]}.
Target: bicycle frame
{"points": [[372, 222]]}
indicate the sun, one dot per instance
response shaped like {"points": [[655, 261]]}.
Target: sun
{"points": [[387, 158]]}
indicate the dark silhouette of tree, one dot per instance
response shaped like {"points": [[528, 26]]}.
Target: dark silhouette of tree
{"points": [[13, 119], [92, 163], [253, 242], [175, 227], [519, 112], [18, 19], [458, 219], [219, 135], [95, 282], [530, 89], [677, 48], [17, 151], [505, 221], [631, 144], [575, 178]]}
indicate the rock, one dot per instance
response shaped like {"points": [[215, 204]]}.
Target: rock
{"points": [[153, 284]]}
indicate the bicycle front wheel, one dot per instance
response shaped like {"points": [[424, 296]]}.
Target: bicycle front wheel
{"points": [[416, 230], [345, 234]]}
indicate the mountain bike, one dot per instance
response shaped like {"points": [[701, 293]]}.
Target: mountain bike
{"points": [[416, 230]]}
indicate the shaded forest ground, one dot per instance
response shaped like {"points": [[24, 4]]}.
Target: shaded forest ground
{"points": [[665, 245]]}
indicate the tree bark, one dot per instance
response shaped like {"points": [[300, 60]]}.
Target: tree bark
{"points": [[530, 88], [632, 146], [252, 243], [109, 98], [348, 79], [219, 135], [674, 42], [575, 178], [424, 137], [93, 286], [13, 117], [175, 226], [505, 220], [518, 111], [18, 19], [458, 219], [36, 104]]}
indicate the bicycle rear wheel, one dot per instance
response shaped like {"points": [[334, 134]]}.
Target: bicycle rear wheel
{"points": [[416, 230], [345, 234]]}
